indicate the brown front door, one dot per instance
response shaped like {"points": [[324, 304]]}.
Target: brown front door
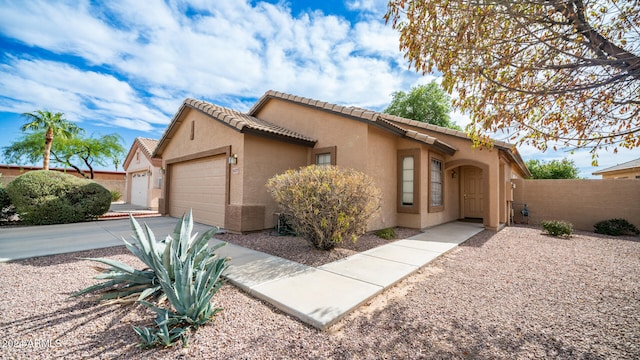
{"points": [[472, 192]]}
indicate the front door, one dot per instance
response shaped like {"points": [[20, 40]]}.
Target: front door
{"points": [[472, 192]]}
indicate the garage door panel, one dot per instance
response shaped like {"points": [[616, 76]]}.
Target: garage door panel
{"points": [[139, 185], [199, 185]]}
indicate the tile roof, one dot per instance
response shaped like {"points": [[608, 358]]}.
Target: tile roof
{"points": [[374, 117], [242, 121], [624, 166], [234, 119], [390, 121], [147, 145]]}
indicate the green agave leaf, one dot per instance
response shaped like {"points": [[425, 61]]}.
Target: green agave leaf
{"points": [[112, 263], [134, 278], [148, 292], [95, 287], [166, 257], [152, 306], [148, 336], [139, 236]]}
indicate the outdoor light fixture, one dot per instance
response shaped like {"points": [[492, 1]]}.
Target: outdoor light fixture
{"points": [[453, 174], [233, 159]]}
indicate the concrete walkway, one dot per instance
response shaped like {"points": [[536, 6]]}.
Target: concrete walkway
{"points": [[321, 296], [30, 241], [318, 296]]}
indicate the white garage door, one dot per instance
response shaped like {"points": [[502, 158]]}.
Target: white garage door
{"points": [[199, 185], [139, 185]]}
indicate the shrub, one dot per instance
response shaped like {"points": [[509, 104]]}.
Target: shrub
{"points": [[7, 210], [616, 227], [115, 195], [181, 269], [327, 204], [558, 228], [48, 197], [387, 234]]}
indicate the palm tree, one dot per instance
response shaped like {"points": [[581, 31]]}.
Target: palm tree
{"points": [[54, 124]]}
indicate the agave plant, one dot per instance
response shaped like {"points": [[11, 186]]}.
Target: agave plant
{"points": [[181, 269], [189, 295], [125, 284]]}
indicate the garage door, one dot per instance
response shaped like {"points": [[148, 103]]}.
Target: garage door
{"points": [[199, 185], [139, 182]]}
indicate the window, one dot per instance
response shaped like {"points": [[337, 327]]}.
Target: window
{"points": [[323, 159], [408, 181], [436, 186], [324, 156]]}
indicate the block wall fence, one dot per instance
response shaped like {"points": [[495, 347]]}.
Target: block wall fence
{"points": [[580, 202]]}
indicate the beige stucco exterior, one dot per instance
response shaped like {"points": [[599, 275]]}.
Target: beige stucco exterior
{"points": [[622, 174], [284, 132], [627, 170], [139, 165]]}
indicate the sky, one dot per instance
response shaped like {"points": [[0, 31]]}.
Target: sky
{"points": [[126, 66]]}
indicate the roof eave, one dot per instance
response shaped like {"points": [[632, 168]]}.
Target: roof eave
{"points": [[279, 137], [166, 136], [514, 155]]}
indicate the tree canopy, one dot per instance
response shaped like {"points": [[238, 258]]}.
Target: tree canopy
{"points": [[427, 103], [78, 152], [538, 70], [554, 169], [54, 125]]}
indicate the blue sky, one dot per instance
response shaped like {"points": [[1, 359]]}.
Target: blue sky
{"points": [[126, 66]]}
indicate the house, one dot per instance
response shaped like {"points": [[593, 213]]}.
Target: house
{"points": [[217, 162], [627, 170], [144, 177]]}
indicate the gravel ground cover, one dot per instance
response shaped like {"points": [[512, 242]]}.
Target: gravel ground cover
{"points": [[514, 294]]}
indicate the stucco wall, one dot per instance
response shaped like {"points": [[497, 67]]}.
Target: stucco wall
{"points": [[381, 162], [349, 136], [263, 158], [208, 134], [581, 202]]}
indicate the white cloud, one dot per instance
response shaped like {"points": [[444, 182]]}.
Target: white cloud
{"points": [[62, 28], [375, 7], [133, 124], [73, 80]]}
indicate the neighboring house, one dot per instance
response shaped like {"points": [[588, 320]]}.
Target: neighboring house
{"points": [[112, 180], [627, 170], [144, 175], [218, 161]]}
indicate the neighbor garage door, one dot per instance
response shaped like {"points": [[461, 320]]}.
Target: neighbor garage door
{"points": [[139, 185], [199, 185]]}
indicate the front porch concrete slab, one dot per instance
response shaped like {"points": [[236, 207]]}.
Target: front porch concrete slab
{"points": [[317, 297], [403, 254], [370, 269]]}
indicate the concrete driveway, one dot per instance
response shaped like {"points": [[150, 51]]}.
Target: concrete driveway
{"points": [[30, 241]]}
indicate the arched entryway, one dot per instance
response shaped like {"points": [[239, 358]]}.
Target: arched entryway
{"points": [[473, 191]]}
